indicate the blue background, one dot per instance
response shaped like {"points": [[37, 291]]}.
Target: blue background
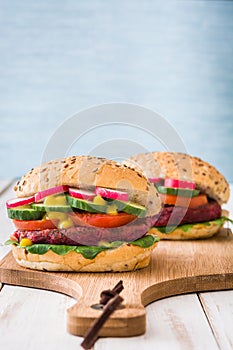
{"points": [[59, 57]]}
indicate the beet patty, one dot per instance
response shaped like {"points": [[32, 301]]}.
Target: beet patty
{"points": [[174, 215], [88, 235]]}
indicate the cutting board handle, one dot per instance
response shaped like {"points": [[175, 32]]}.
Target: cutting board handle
{"points": [[127, 320]]}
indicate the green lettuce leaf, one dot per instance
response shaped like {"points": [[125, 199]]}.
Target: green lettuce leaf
{"points": [[146, 241], [10, 241], [187, 227], [89, 252], [37, 248]]}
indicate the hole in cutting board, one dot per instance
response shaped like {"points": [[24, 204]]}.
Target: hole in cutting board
{"points": [[101, 306]]}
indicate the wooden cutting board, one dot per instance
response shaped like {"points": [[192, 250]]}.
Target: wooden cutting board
{"points": [[176, 268]]}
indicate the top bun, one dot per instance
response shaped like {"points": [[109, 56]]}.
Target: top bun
{"points": [[87, 172], [183, 167]]}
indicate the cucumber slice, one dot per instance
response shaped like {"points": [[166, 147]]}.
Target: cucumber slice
{"points": [[24, 214], [86, 205], [183, 192], [131, 208], [46, 208]]}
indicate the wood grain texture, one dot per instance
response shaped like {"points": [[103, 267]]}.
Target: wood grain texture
{"points": [[218, 308], [176, 323], [176, 268], [28, 311]]}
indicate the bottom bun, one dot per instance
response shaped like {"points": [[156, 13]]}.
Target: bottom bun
{"points": [[196, 232], [125, 258]]}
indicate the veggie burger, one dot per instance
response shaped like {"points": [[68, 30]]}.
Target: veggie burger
{"points": [[191, 190], [83, 213]]}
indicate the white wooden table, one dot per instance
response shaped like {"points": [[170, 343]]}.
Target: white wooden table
{"points": [[36, 319]]}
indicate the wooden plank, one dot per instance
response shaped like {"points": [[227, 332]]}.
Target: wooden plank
{"points": [[218, 307], [176, 323], [34, 320], [172, 323]]}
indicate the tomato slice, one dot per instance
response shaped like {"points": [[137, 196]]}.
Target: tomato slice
{"points": [[101, 220], [193, 202], [81, 219], [32, 225]]}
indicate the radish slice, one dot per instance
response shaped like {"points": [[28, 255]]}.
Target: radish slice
{"points": [[16, 202], [156, 180], [112, 194], [82, 194], [54, 190], [179, 184]]}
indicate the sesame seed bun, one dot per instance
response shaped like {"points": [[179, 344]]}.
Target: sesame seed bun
{"points": [[183, 167], [87, 172]]}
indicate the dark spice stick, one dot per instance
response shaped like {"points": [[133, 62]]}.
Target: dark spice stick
{"points": [[106, 295], [92, 334], [118, 287]]}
